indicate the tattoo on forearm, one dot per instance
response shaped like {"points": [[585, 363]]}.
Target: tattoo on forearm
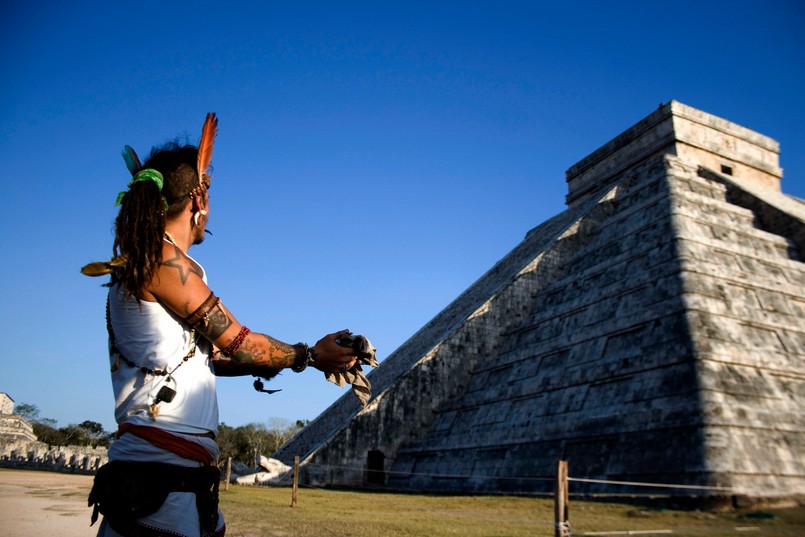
{"points": [[183, 264], [262, 350]]}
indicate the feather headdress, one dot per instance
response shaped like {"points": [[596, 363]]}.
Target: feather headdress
{"points": [[208, 133], [101, 268], [132, 160]]}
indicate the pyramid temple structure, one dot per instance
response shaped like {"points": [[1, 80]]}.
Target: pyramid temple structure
{"points": [[653, 332]]}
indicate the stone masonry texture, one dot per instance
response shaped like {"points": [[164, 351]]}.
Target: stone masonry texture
{"points": [[652, 332]]}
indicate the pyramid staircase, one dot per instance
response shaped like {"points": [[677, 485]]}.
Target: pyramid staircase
{"points": [[651, 333]]}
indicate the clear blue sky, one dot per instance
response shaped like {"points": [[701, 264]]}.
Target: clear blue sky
{"points": [[374, 158]]}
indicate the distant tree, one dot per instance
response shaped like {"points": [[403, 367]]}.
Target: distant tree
{"points": [[252, 441], [93, 427], [29, 412], [46, 432], [280, 431], [227, 445], [94, 433], [73, 435], [87, 433]]}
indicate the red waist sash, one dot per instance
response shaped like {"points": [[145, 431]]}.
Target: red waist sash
{"points": [[167, 441]]}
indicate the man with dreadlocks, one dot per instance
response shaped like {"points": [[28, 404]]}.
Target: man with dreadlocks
{"points": [[169, 336]]}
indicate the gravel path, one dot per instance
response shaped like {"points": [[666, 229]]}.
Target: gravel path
{"points": [[44, 504]]}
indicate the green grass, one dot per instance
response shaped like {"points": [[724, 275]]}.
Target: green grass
{"points": [[266, 511]]}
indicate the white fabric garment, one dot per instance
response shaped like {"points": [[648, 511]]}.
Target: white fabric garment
{"points": [[150, 336]]}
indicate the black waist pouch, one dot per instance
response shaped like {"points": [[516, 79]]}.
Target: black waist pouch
{"points": [[125, 491]]}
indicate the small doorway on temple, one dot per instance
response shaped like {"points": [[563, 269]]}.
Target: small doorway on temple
{"points": [[375, 470]]}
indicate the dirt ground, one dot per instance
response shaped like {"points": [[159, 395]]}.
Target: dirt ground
{"points": [[44, 504]]}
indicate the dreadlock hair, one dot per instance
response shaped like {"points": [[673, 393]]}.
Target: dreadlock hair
{"points": [[140, 225]]}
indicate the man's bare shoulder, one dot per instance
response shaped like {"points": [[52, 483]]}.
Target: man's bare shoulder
{"points": [[175, 263], [179, 282]]}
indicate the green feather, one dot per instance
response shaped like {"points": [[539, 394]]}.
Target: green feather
{"points": [[132, 161]]}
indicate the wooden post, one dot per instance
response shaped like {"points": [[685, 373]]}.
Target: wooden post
{"points": [[228, 472], [561, 501], [295, 480]]}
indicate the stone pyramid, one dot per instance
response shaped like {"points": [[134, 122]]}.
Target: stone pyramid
{"points": [[652, 332]]}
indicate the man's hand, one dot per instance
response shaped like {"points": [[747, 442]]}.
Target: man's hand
{"points": [[332, 357]]}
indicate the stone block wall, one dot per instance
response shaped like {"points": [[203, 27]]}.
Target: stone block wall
{"points": [[601, 372], [399, 377], [13, 427], [652, 332], [41, 456], [745, 295], [6, 404], [682, 131]]}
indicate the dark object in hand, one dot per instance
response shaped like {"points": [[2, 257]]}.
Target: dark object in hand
{"points": [[360, 346]]}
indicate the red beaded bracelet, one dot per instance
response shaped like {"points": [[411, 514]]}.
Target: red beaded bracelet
{"points": [[233, 347]]}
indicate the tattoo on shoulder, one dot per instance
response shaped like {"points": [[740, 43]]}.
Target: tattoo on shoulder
{"points": [[183, 264], [215, 323]]}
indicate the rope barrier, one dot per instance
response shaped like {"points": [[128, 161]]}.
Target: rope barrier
{"points": [[524, 478], [453, 476], [644, 484], [628, 532], [561, 524]]}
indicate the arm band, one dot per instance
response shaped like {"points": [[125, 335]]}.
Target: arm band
{"points": [[202, 311]]}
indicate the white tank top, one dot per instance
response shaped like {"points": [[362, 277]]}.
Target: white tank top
{"points": [[151, 337]]}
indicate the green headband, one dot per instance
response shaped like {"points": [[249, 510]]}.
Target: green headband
{"points": [[148, 174]]}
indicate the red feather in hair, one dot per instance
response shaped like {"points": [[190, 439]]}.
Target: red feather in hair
{"points": [[208, 133]]}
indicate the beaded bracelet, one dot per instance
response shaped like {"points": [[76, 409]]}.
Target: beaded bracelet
{"points": [[304, 356], [233, 347]]}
